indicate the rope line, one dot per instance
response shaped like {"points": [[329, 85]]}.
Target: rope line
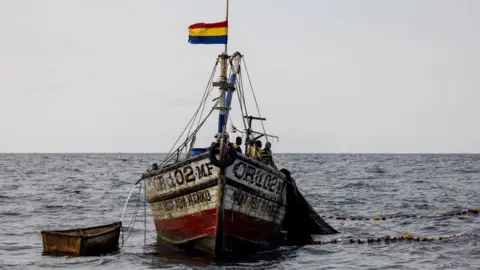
{"points": [[132, 222], [393, 239], [241, 99], [144, 214], [192, 120], [368, 221], [241, 107], [397, 216], [255, 98], [188, 139], [206, 87], [336, 209]]}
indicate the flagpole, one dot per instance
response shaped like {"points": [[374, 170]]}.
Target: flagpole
{"points": [[223, 82], [226, 19]]}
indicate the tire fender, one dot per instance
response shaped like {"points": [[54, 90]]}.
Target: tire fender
{"points": [[223, 163]]}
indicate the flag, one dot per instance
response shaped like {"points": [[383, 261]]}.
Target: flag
{"points": [[208, 33]]}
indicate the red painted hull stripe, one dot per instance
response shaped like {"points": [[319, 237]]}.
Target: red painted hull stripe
{"points": [[188, 227], [203, 224]]}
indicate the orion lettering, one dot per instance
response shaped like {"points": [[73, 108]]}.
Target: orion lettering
{"points": [[257, 177]]}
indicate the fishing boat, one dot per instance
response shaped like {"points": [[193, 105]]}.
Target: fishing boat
{"points": [[215, 198]]}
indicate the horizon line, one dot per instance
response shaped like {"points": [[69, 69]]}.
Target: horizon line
{"points": [[302, 153]]}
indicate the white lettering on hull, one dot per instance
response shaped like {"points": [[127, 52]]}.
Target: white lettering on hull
{"points": [[183, 177], [252, 205], [256, 178], [192, 203]]}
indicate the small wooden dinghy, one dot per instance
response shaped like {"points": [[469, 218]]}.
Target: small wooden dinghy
{"points": [[82, 241]]}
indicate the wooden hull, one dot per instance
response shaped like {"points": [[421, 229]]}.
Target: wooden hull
{"points": [[194, 205], [83, 241]]}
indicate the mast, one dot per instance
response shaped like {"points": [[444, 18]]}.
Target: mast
{"points": [[223, 81], [222, 137]]}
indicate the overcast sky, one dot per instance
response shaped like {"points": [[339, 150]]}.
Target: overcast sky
{"points": [[330, 76]]}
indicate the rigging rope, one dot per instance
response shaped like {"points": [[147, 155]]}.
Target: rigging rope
{"points": [[240, 95], [208, 88], [255, 98], [169, 155], [191, 136], [205, 95]]}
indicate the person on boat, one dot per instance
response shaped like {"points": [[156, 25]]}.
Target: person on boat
{"points": [[267, 155], [237, 144], [249, 147], [257, 150]]}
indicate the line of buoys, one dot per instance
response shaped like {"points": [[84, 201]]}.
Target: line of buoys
{"points": [[436, 213], [387, 239]]}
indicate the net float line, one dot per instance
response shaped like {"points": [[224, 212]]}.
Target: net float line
{"points": [[394, 239], [471, 211]]}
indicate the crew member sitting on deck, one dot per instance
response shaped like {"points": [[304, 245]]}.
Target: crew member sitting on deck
{"points": [[237, 144], [267, 155]]}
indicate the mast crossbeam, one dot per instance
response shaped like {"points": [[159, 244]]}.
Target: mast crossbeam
{"points": [[254, 118]]}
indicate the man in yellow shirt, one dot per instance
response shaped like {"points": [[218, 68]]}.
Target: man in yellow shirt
{"points": [[237, 144], [257, 151]]}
